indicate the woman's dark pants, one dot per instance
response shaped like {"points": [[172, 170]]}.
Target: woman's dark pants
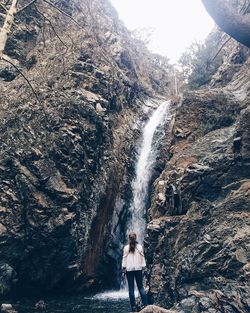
{"points": [[131, 277]]}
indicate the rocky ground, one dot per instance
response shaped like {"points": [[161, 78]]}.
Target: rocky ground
{"points": [[198, 235]]}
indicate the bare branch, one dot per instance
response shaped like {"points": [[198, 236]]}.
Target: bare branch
{"points": [[43, 34], [8, 60], [61, 11], [221, 47], [52, 26], [4, 7], [8, 22], [26, 6], [245, 7]]}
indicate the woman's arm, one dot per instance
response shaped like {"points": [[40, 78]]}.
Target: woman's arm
{"points": [[124, 258], [143, 261]]}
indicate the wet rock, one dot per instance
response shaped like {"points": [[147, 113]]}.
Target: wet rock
{"points": [[40, 305], [7, 308], [7, 274]]}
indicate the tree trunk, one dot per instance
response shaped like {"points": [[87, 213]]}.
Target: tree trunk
{"points": [[229, 20], [5, 30]]}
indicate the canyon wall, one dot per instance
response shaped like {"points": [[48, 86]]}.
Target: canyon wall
{"points": [[66, 150], [198, 237], [67, 159]]}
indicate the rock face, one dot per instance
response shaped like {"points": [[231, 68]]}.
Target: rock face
{"points": [[198, 235], [65, 154]]}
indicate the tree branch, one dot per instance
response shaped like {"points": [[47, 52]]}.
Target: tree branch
{"points": [[52, 26], [4, 7], [221, 47], [245, 7], [61, 11], [8, 60], [230, 21], [26, 6], [8, 22]]}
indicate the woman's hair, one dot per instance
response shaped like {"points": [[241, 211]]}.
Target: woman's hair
{"points": [[132, 241]]}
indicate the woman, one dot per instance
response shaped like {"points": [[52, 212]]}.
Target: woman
{"points": [[133, 262]]}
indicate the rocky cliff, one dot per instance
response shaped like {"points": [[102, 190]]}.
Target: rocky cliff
{"points": [[66, 160], [66, 146], [198, 234]]}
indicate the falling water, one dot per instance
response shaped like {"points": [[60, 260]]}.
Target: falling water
{"points": [[147, 154], [144, 167]]}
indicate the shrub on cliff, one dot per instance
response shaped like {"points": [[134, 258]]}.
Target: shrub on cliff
{"points": [[197, 62]]}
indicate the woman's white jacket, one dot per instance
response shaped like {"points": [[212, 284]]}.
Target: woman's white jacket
{"points": [[133, 261]]}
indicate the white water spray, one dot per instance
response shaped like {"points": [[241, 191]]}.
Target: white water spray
{"points": [[144, 168]]}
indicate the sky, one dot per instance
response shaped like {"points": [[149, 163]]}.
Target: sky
{"points": [[175, 23]]}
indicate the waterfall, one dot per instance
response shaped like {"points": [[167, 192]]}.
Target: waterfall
{"points": [[147, 155]]}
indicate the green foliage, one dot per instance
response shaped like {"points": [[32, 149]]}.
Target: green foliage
{"points": [[197, 62]]}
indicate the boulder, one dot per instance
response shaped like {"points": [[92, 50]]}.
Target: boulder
{"points": [[156, 309], [7, 308], [40, 305]]}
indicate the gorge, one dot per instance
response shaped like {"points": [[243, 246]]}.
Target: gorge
{"points": [[68, 180]]}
